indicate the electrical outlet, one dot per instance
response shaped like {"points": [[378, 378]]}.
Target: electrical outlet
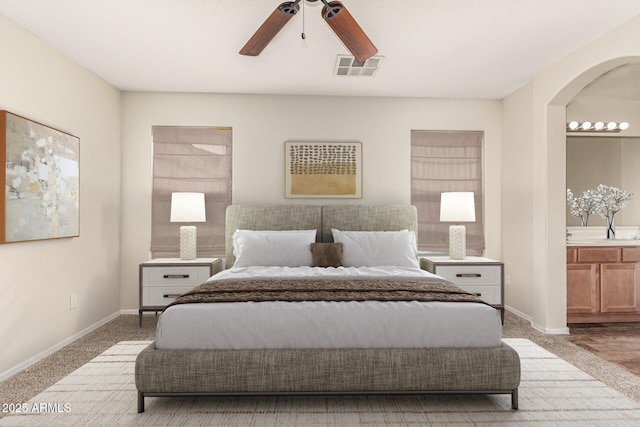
{"points": [[507, 279], [73, 301]]}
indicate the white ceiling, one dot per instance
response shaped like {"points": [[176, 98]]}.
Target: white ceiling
{"points": [[432, 48]]}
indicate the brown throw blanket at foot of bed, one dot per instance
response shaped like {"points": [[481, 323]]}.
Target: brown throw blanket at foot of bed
{"points": [[328, 289]]}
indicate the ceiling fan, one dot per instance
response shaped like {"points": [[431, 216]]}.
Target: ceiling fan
{"points": [[334, 13]]}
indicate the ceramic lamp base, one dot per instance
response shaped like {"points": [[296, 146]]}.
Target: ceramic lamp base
{"points": [[188, 242], [457, 242]]}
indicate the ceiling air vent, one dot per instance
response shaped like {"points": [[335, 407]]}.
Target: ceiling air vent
{"points": [[349, 66]]}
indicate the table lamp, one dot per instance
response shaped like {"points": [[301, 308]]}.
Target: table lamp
{"points": [[187, 207], [457, 207]]}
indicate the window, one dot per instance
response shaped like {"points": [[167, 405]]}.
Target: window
{"points": [[194, 159], [445, 161]]}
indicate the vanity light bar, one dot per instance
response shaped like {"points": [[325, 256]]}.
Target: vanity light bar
{"points": [[575, 126]]}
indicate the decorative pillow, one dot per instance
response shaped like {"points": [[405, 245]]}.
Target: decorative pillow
{"points": [[326, 254], [287, 248], [377, 248]]}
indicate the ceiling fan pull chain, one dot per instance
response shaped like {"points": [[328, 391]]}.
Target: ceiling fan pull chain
{"points": [[304, 19]]}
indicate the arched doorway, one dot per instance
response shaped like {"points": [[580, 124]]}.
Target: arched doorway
{"points": [[556, 184]]}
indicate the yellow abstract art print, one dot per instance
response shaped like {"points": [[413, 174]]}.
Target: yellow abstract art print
{"points": [[323, 169]]}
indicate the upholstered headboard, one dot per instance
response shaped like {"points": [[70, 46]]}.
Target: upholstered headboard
{"points": [[322, 218], [269, 217], [368, 218]]}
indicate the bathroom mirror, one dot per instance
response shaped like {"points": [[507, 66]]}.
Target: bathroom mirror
{"points": [[614, 161]]}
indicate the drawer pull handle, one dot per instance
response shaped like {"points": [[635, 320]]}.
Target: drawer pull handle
{"points": [[176, 276], [171, 295], [468, 275], [478, 294]]}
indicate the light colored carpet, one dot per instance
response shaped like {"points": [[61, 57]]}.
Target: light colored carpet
{"points": [[553, 393]]}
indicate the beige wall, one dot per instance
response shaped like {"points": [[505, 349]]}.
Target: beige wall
{"points": [[38, 278], [545, 114], [261, 124], [517, 200]]}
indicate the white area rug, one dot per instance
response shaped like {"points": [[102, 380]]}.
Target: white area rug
{"points": [[102, 393]]}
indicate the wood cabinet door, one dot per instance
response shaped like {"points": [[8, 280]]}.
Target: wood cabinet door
{"points": [[619, 288], [583, 288]]}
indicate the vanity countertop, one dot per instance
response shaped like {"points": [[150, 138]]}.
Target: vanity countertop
{"points": [[595, 236], [603, 242]]}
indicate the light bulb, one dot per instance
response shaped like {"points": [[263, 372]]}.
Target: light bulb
{"points": [[598, 125], [612, 126], [574, 125], [586, 125], [623, 125]]}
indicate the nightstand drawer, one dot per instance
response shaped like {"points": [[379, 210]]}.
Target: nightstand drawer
{"points": [[478, 275], [163, 276], [471, 274], [161, 295], [164, 279], [490, 294]]}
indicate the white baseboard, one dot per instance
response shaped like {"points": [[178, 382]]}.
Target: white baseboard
{"points": [[555, 331], [24, 365], [550, 331], [130, 311], [518, 313]]}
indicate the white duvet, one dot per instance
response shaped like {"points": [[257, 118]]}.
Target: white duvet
{"points": [[319, 324]]}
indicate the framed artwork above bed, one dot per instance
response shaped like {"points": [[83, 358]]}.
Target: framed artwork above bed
{"points": [[41, 181], [323, 169]]}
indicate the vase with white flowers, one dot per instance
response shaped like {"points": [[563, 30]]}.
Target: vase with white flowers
{"points": [[605, 200], [584, 206], [613, 200]]}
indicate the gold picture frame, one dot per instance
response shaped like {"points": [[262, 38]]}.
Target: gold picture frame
{"points": [[41, 181], [319, 169]]}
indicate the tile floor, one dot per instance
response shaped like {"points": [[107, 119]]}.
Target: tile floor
{"points": [[616, 342]]}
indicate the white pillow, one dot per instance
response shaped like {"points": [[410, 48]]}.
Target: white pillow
{"points": [[287, 248], [377, 248]]}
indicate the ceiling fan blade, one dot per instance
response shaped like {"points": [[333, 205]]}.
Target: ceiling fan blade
{"points": [[348, 30], [269, 28]]}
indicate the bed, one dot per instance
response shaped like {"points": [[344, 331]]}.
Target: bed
{"points": [[337, 328]]}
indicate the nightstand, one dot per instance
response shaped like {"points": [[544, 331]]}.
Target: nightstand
{"points": [[164, 279], [481, 276]]}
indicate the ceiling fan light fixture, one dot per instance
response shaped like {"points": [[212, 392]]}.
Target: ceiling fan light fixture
{"points": [[335, 15]]}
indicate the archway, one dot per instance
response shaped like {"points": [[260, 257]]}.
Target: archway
{"points": [[556, 185]]}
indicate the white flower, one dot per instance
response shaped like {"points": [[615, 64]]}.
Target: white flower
{"points": [[606, 201], [584, 206], [612, 201]]}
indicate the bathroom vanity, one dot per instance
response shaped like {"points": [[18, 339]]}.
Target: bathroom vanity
{"points": [[603, 279]]}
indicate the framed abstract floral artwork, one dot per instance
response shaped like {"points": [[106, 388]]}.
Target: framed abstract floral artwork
{"points": [[323, 169], [40, 183]]}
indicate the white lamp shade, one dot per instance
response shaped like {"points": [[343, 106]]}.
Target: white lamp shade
{"points": [[457, 207], [187, 207]]}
